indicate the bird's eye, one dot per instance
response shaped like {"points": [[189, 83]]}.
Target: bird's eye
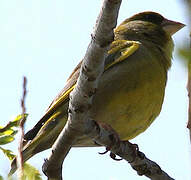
{"points": [[149, 17], [154, 18]]}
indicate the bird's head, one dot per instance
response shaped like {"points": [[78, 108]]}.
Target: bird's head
{"points": [[149, 26]]}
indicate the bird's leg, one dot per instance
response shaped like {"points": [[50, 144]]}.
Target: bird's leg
{"points": [[115, 142], [114, 137], [124, 47]]}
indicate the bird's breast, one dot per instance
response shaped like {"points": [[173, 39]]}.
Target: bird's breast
{"points": [[130, 95]]}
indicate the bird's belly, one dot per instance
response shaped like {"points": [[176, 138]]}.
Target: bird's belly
{"points": [[130, 106], [130, 113]]}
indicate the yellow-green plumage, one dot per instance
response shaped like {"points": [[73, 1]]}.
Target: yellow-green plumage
{"points": [[130, 92]]}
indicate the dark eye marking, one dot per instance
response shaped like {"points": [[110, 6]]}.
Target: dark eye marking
{"points": [[149, 17], [154, 18]]}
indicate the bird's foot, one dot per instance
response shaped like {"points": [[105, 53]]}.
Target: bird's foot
{"points": [[112, 155], [114, 138]]}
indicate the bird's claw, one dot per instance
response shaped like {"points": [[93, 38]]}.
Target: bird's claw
{"points": [[102, 153], [112, 155]]}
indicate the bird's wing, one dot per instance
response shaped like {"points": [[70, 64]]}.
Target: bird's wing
{"points": [[119, 51]]}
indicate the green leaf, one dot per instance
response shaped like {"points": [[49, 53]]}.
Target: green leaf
{"points": [[14, 132], [15, 122], [8, 153], [7, 132], [9, 128], [31, 173], [19, 117], [6, 139], [1, 177]]}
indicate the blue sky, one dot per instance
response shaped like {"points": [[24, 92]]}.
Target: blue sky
{"points": [[44, 40]]}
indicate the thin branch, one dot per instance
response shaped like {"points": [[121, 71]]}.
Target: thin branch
{"points": [[81, 97], [21, 129], [127, 151], [189, 96], [188, 5]]}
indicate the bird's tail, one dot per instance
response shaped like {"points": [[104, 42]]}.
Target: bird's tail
{"points": [[26, 154], [43, 140]]}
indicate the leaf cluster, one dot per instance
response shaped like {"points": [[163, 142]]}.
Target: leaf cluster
{"points": [[7, 135]]}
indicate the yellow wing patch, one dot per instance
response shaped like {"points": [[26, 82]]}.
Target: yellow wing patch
{"points": [[125, 47], [62, 98]]}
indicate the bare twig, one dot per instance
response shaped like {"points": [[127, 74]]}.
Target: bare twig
{"points": [[189, 90], [189, 96], [21, 129], [188, 6]]}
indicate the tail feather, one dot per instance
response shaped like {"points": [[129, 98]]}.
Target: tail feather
{"points": [[42, 141], [27, 154]]}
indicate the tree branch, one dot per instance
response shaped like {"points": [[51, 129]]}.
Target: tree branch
{"points": [[127, 151], [81, 97]]}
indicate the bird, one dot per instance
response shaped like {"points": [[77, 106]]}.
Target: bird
{"points": [[131, 89]]}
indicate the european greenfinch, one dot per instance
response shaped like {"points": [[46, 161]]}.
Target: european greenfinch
{"points": [[131, 89]]}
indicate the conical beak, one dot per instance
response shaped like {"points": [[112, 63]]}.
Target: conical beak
{"points": [[171, 27]]}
